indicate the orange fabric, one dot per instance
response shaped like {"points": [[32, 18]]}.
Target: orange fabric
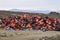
{"points": [[55, 22], [17, 28], [47, 21], [13, 25], [12, 21], [49, 27], [29, 26], [54, 25], [3, 25], [40, 22]]}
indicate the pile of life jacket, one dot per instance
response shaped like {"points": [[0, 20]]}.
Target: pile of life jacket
{"points": [[26, 21]]}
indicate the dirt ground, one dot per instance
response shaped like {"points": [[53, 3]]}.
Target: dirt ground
{"points": [[26, 34]]}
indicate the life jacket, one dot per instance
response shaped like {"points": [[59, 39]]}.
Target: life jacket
{"points": [[29, 26], [54, 25], [4, 26], [8, 20], [36, 20], [41, 23], [13, 25], [49, 27], [12, 21], [47, 21], [55, 22], [16, 21], [44, 25], [23, 25]]}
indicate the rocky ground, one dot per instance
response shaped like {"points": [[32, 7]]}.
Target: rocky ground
{"points": [[26, 34]]}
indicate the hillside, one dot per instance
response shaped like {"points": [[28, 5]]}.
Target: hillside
{"points": [[8, 13]]}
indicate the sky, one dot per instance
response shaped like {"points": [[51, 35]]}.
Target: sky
{"points": [[30, 4]]}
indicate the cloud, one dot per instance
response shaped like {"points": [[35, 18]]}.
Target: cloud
{"points": [[30, 4]]}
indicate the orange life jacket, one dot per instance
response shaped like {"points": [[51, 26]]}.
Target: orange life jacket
{"points": [[47, 21], [54, 25], [40, 22], [29, 26], [49, 27], [13, 25], [55, 22], [12, 21]]}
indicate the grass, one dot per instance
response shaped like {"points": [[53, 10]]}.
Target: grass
{"points": [[50, 38]]}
